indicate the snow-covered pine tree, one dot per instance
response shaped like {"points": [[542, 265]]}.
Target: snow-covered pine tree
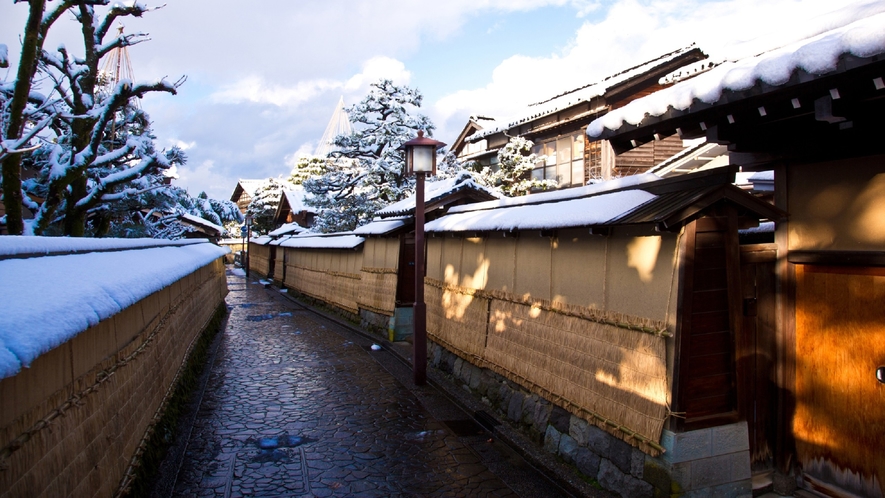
{"points": [[263, 205], [308, 167], [98, 144], [513, 173], [368, 167]]}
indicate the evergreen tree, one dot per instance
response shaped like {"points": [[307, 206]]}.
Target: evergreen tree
{"points": [[263, 205], [513, 173], [309, 167], [368, 168], [96, 146]]}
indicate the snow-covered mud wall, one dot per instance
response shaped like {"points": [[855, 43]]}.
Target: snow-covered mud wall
{"points": [[93, 335]]}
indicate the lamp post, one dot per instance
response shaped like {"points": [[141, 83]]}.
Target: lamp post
{"points": [[421, 160], [248, 236]]}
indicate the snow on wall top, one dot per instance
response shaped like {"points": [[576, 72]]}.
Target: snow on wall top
{"points": [[16, 246], [587, 211], [314, 241], [583, 94], [262, 240], [51, 299], [559, 195], [862, 35], [437, 190], [381, 227], [287, 229]]}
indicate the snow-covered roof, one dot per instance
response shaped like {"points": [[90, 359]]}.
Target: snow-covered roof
{"points": [[582, 94], [196, 220], [437, 190], [250, 186], [665, 203], [50, 299], [295, 199], [382, 227], [587, 211], [317, 241], [861, 34], [287, 229], [559, 195]]}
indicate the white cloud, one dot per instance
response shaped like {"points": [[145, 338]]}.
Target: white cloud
{"points": [[218, 187], [377, 68], [181, 144], [629, 33], [256, 89]]}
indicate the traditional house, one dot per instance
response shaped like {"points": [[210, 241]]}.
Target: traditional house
{"points": [[806, 366], [557, 125], [244, 192], [292, 209]]}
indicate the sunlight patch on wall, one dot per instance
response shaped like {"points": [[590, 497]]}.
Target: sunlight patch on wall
{"points": [[642, 255]]}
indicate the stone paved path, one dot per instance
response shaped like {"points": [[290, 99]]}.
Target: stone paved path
{"points": [[297, 405]]}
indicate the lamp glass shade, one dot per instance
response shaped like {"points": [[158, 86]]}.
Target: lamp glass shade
{"points": [[422, 158]]}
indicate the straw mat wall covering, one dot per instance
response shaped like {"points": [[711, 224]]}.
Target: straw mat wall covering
{"points": [[378, 290], [337, 288], [259, 259], [83, 435], [606, 367], [457, 318]]}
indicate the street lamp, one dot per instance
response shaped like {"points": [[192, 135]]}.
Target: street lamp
{"points": [[248, 236], [421, 160]]}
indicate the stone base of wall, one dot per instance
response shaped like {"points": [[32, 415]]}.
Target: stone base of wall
{"points": [[614, 464], [374, 322], [709, 462]]}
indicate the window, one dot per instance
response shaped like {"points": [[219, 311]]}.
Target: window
{"points": [[564, 160]]}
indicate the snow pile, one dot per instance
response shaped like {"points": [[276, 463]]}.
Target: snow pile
{"points": [[51, 299], [588, 211], [864, 37], [437, 190]]}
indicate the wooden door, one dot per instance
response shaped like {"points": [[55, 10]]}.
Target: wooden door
{"points": [[707, 391], [839, 421]]}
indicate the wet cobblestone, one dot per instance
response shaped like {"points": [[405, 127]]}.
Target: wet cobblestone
{"points": [[296, 405]]}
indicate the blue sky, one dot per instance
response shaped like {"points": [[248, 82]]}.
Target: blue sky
{"points": [[263, 81]]}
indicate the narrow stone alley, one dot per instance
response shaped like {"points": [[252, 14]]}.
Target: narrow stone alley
{"points": [[298, 405]]}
